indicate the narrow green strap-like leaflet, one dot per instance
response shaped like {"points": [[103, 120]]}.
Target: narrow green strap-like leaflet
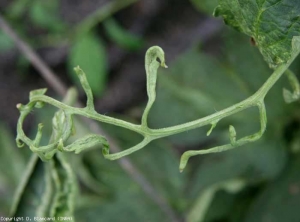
{"points": [[63, 125]]}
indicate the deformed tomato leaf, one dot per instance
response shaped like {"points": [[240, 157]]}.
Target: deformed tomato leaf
{"points": [[89, 141], [88, 52], [62, 125], [271, 24], [65, 187]]}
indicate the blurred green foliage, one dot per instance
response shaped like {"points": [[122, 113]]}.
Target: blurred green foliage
{"points": [[9, 174], [44, 15], [89, 53], [279, 201], [206, 6], [122, 37], [47, 190], [5, 42]]}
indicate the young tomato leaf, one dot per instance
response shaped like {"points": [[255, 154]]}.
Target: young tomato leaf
{"points": [[122, 37], [271, 24], [88, 52]]}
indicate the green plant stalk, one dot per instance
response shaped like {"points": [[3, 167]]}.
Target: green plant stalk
{"points": [[37, 98], [253, 100]]}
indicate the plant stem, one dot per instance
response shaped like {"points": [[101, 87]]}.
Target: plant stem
{"points": [[247, 103], [253, 100], [89, 114], [126, 152]]}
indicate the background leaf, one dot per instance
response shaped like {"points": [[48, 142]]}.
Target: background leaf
{"points": [[12, 163], [45, 14], [240, 163], [65, 184], [17, 8], [272, 24], [5, 42], [122, 37], [34, 193], [206, 6], [129, 201], [279, 200], [89, 53]]}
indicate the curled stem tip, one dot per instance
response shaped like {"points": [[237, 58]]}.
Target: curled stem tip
{"points": [[86, 87], [19, 142], [164, 65], [19, 106], [151, 66]]}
